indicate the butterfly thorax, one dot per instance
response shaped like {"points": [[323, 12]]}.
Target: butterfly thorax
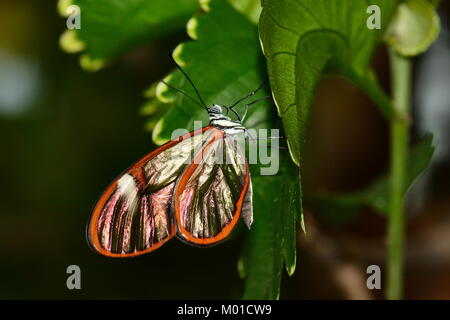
{"points": [[220, 121]]}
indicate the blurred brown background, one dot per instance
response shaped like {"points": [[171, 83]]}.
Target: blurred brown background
{"points": [[65, 134]]}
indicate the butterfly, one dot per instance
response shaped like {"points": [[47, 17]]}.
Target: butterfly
{"points": [[179, 190]]}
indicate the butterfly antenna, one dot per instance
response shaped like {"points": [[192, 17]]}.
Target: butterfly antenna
{"points": [[190, 81], [258, 100], [182, 92], [250, 94]]}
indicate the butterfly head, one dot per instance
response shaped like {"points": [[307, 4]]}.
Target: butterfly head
{"points": [[216, 113], [215, 110]]}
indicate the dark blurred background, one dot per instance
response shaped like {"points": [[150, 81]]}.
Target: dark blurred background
{"points": [[66, 134]]}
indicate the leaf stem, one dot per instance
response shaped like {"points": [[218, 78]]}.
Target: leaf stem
{"points": [[401, 90], [372, 89]]}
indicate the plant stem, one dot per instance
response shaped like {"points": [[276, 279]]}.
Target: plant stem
{"points": [[373, 90], [401, 91]]}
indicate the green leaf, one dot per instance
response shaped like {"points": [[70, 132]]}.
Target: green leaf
{"points": [[225, 63], [413, 28], [341, 208], [152, 108], [250, 8], [222, 73], [272, 239], [304, 39], [291, 212], [111, 28]]}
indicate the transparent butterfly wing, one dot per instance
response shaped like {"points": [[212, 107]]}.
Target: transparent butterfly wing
{"points": [[211, 194], [133, 216]]}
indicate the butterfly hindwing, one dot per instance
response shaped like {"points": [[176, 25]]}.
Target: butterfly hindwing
{"points": [[212, 192]]}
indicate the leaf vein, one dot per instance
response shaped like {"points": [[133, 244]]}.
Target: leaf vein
{"points": [[281, 26], [309, 12]]}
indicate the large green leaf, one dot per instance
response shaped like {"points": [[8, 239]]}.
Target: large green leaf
{"points": [[111, 28], [225, 63], [340, 208], [303, 39]]}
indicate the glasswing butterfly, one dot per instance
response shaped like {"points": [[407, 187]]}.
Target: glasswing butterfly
{"points": [[179, 189]]}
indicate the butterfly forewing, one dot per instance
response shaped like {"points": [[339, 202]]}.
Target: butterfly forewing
{"points": [[134, 216]]}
